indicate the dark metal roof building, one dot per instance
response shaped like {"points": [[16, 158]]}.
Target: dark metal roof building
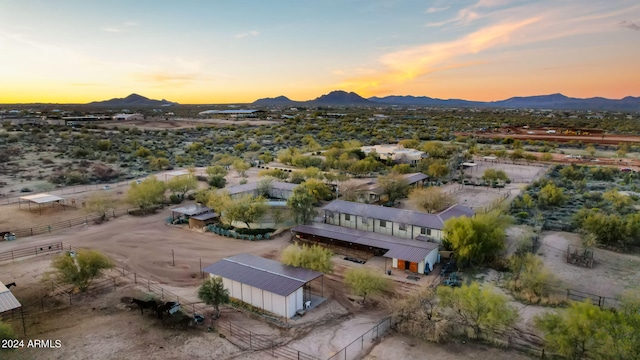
{"points": [[265, 274]]}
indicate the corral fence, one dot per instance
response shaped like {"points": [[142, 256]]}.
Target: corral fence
{"points": [[603, 302], [31, 251], [46, 229], [8, 199], [237, 335], [357, 347]]}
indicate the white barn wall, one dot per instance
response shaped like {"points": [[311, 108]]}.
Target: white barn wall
{"points": [[256, 297], [432, 258]]}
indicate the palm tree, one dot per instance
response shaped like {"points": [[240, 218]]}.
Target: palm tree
{"points": [[212, 292]]}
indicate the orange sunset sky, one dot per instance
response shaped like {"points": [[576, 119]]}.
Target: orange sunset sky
{"points": [[238, 51]]}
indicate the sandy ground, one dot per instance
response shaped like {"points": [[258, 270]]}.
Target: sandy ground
{"points": [[611, 275], [403, 347]]}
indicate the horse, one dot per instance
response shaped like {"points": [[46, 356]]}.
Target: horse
{"points": [[145, 304], [11, 284], [164, 308]]}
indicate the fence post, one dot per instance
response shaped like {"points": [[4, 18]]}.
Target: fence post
{"points": [[114, 283], [568, 293], [162, 293], [250, 347], [11, 255], [135, 278], [148, 285], [230, 332]]}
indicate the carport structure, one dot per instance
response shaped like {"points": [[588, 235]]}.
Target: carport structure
{"points": [[41, 199], [193, 210]]}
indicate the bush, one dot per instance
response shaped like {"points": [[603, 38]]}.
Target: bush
{"points": [[175, 199]]}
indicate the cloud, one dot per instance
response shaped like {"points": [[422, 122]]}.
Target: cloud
{"points": [[120, 28], [432, 10], [166, 78], [630, 25], [245, 34]]}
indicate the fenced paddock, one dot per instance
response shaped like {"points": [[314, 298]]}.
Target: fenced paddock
{"points": [[50, 228], [357, 347], [18, 254]]}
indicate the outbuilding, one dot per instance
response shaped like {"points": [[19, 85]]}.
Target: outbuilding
{"points": [[266, 284]]}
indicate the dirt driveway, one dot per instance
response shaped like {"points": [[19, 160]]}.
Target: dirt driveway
{"points": [[154, 250]]}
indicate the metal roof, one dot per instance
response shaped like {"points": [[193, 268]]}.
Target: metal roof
{"points": [[275, 185], [264, 274], [191, 210], [414, 177], [206, 216], [400, 248], [7, 300], [401, 216], [41, 198]]}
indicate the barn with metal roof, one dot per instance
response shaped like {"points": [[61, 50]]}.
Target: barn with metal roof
{"points": [[266, 284]]}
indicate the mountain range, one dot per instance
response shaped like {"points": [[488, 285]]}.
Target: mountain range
{"points": [[553, 101], [133, 100]]}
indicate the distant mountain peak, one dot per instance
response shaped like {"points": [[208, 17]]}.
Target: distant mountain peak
{"points": [[341, 97], [133, 100]]}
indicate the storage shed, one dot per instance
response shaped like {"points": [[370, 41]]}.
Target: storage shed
{"points": [[266, 284]]}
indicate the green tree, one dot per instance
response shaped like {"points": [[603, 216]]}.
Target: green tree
{"points": [[218, 200], [476, 240], [437, 170], [546, 157], [181, 185], [216, 170], [6, 332], [80, 268], [247, 209], [217, 181], [149, 192], [241, 167], [481, 309], [431, 199], [300, 204], [312, 257], [264, 187], [576, 333], [618, 200], [394, 186], [402, 169], [100, 203], [516, 154], [591, 150], [159, 163], [551, 195], [318, 189], [363, 282], [212, 292], [530, 275], [275, 173]]}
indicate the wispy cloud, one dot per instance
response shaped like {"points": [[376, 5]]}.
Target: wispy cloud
{"points": [[120, 28], [432, 10], [630, 25], [245, 34]]}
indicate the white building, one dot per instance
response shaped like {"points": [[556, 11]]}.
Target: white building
{"points": [[265, 284], [390, 221], [127, 117], [396, 153]]}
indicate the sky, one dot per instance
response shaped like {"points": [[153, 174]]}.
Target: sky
{"points": [[214, 52]]}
